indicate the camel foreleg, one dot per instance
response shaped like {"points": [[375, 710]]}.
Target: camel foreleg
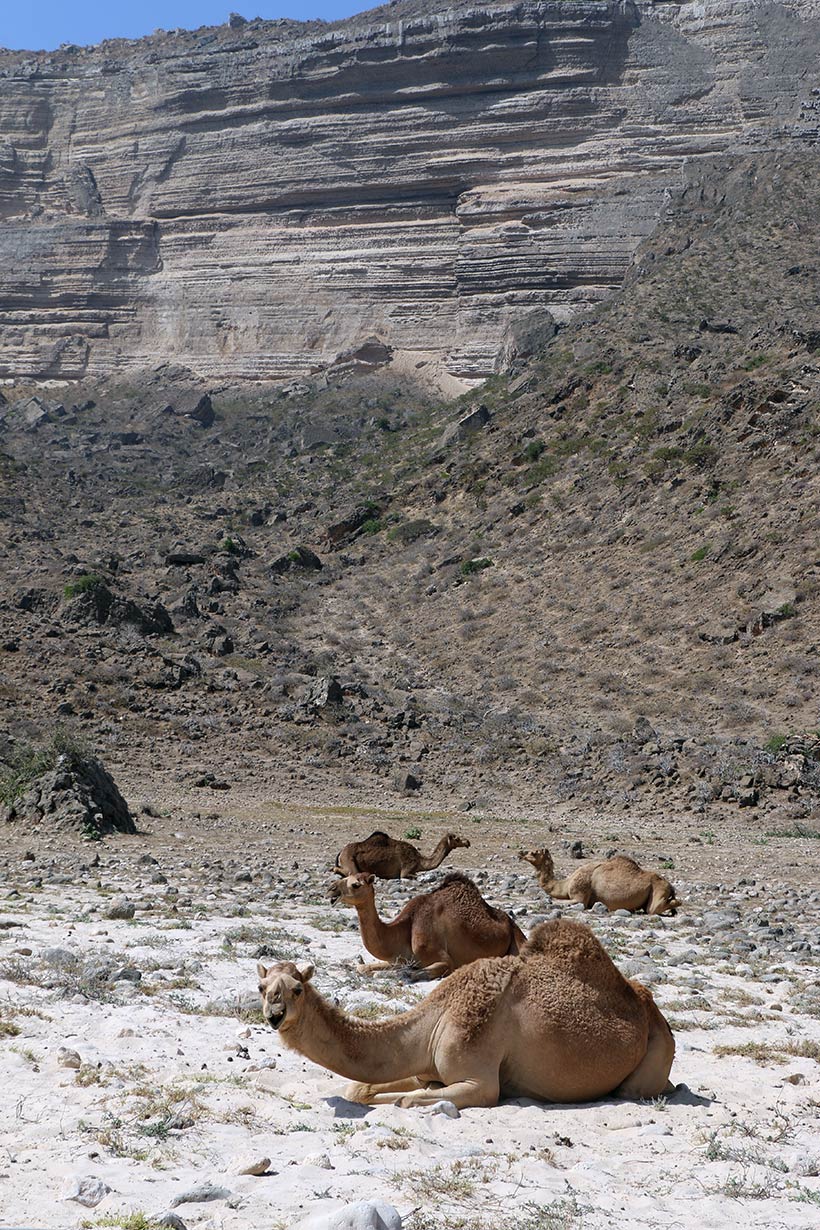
{"points": [[438, 969], [479, 1092], [374, 967], [367, 1094]]}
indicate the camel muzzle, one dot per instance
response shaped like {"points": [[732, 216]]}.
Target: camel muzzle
{"points": [[275, 1019]]}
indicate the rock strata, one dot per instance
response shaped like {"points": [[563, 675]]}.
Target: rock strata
{"points": [[264, 199]]}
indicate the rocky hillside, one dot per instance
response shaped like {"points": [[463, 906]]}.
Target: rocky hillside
{"points": [[255, 200], [596, 578]]}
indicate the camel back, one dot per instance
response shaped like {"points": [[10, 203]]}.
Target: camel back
{"points": [[464, 885]]}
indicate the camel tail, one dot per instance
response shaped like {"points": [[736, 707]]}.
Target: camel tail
{"points": [[651, 1077]]}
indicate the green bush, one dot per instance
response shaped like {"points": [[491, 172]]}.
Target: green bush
{"points": [[373, 525], [534, 450], [775, 743], [701, 553], [85, 584], [471, 566], [413, 834]]}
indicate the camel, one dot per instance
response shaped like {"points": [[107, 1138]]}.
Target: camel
{"points": [[558, 1023], [618, 882], [390, 859], [437, 931]]}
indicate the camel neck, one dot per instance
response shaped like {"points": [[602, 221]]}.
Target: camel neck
{"points": [[381, 939], [373, 1052], [431, 861]]}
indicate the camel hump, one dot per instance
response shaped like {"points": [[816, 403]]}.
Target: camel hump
{"points": [[569, 945], [458, 883], [623, 860], [378, 838], [458, 877]]}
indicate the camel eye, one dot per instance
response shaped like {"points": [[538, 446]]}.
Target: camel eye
{"points": [[261, 989], [297, 990]]}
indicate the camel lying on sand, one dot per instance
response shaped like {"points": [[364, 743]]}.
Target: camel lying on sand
{"points": [[618, 882], [558, 1023], [391, 859], [438, 931]]}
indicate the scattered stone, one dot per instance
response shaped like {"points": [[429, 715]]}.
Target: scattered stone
{"points": [[202, 1194], [172, 1220], [87, 1191], [444, 1108], [120, 908], [364, 1215], [250, 1163], [68, 1059]]}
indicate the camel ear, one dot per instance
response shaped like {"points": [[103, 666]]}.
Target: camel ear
{"points": [[305, 972], [368, 878], [261, 971]]}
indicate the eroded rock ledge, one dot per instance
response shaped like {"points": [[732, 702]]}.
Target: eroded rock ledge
{"points": [[255, 201]]}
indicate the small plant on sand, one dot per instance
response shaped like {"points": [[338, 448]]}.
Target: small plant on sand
{"points": [[761, 1052], [413, 833], [123, 1221]]}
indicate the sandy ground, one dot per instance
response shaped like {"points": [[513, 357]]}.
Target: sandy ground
{"points": [[178, 1082]]}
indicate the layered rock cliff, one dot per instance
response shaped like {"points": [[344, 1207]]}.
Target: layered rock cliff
{"points": [[251, 202]]}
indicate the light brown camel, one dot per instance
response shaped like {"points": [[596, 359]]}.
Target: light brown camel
{"points": [[390, 859], [437, 931], [618, 882], [558, 1023]]}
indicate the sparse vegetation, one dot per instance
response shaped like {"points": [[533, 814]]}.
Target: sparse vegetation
{"points": [[30, 762], [85, 584]]}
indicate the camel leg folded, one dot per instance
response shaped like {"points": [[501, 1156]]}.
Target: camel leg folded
{"points": [[439, 969], [358, 1092], [651, 1077], [374, 967], [478, 1092]]}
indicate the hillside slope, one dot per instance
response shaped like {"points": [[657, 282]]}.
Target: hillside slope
{"points": [[602, 584]]}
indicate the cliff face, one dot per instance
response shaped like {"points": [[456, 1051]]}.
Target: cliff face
{"points": [[251, 202]]}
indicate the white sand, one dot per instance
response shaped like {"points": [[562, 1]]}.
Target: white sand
{"points": [[592, 1165]]}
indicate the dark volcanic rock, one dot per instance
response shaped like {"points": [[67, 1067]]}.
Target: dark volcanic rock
{"points": [[77, 794], [300, 558]]}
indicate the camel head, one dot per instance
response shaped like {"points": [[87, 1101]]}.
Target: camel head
{"points": [[541, 860], [454, 842], [281, 988], [352, 890], [664, 898]]}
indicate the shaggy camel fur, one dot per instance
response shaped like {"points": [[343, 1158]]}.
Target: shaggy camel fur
{"points": [[618, 882], [558, 1023], [390, 859], [437, 931]]}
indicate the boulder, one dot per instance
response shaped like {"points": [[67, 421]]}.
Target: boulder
{"points": [[364, 1215], [194, 406], [77, 793], [466, 427], [300, 558]]}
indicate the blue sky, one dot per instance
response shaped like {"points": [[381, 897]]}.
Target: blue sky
{"points": [[44, 24]]}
